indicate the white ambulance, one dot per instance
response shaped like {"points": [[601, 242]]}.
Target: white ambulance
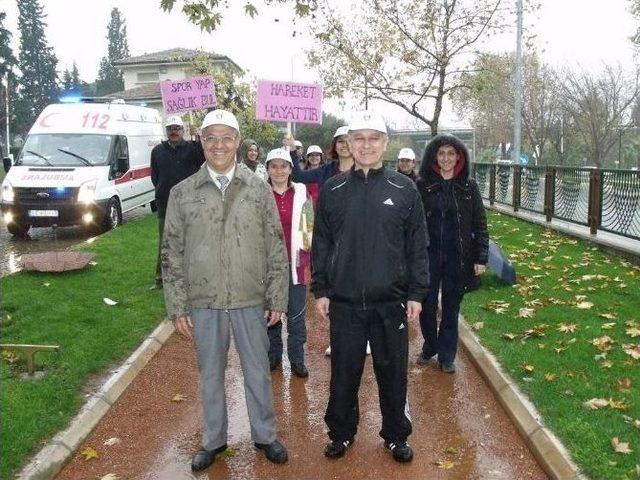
{"points": [[82, 164]]}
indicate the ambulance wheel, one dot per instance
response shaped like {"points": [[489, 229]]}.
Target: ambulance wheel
{"points": [[113, 215], [18, 229]]}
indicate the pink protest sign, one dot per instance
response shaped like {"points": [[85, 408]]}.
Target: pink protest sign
{"points": [[289, 102], [179, 96]]}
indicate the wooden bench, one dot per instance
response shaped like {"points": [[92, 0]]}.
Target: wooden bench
{"points": [[29, 351]]}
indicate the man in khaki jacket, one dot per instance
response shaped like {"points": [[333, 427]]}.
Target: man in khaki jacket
{"points": [[225, 269]]}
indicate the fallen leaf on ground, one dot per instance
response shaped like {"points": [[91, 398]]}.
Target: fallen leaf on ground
{"points": [[596, 403], [112, 441], [584, 305], [567, 327], [633, 332], [526, 312], [527, 367], [452, 451], [110, 476], [603, 343], [509, 336], [445, 464], [624, 385], [478, 326], [607, 364], [618, 404], [46, 284], [9, 356], [178, 397], [89, 452], [608, 326], [109, 302], [550, 377], [633, 350], [608, 316], [620, 447]]}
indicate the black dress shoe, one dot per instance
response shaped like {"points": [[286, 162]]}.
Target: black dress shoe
{"points": [[273, 451], [299, 370], [273, 364], [336, 448], [401, 451], [204, 458], [447, 367]]}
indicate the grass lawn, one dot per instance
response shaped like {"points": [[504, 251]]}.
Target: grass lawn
{"points": [[68, 310], [568, 333]]}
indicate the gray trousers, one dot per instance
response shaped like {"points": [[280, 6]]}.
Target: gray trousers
{"points": [[212, 333]]}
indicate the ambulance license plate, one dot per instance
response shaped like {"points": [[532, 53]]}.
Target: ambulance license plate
{"points": [[43, 213]]}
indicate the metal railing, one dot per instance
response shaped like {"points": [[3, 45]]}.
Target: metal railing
{"points": [[607, 200]]}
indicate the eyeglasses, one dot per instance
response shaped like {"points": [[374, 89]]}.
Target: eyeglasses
{"points": [[225, 139]]}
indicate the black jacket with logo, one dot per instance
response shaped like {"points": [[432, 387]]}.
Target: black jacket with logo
{"points": [[170, 165], [456, 218], [369, 240]]}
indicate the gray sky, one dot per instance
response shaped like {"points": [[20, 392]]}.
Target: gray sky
{"points": [[577, 33]]}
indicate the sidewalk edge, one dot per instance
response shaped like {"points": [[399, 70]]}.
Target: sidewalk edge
{"points": [[550, 453], [52, 457]]}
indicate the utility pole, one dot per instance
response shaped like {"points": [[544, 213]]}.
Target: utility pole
{"points": [[6, 106], [517, 120]]}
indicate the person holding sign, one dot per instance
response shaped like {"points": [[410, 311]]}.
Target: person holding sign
{"points": [[369, 278], [172, 161], [296, 216], [225, 270]]}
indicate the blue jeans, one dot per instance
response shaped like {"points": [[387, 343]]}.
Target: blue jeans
{"points": [[296, 327], [444, 341]]}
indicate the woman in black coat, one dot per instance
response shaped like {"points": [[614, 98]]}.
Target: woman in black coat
{"points": [[458, 245]]}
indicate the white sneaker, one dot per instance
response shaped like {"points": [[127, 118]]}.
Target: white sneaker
{"points": [[368, 349], [327, 352]]}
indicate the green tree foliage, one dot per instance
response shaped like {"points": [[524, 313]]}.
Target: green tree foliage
{"points": [[406, 53], [7, 65], [109, 77], [38, 83], [208, 14], [71, 83]]}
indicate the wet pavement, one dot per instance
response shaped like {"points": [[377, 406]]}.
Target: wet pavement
{"points": [[46, 239], [460, 431]]}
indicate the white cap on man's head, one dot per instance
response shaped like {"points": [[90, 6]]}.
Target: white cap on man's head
{"points": [[279, 154], [171, 121], [314, 149], [367, 120], [220, 117], [341, 131], [406, 153], [298, 143]]}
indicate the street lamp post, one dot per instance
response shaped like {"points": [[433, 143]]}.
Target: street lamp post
{"points": [[517, 120], [6, 105]]}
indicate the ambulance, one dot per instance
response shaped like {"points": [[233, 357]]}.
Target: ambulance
{"points": [[83, 163]]}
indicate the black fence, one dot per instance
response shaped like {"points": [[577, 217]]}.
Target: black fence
{"points": [[607, 200]]}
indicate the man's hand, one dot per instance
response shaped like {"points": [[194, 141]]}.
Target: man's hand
{"points": [[289, 142], [479, 269], [322, 307], [275, 317], [184, 326], [413, 310]]}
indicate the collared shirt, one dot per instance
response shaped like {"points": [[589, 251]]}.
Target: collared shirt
{"points": [[214, 175]]}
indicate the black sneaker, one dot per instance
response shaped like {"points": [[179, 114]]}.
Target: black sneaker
{"points": [[204, 458], [337, 449], [274, 452], [299, 370], [422, 359], [401, 451], [447, 367]]}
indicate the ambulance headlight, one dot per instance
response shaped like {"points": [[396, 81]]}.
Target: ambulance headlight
{"points": [[87, 192], [7, 192]]}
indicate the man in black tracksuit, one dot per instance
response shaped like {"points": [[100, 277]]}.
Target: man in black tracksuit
{"points": [[369, 276], [171, 162]]}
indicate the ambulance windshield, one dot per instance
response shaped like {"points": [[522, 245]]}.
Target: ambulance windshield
{"points": [[66, 150]]}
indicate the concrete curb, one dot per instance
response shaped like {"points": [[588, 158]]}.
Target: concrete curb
{"points": [[49, 461], [545, 446]]}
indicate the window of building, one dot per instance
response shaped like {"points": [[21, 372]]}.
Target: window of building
{"points": [[148, 77]]}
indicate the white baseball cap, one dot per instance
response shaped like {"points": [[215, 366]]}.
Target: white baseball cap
{"points": [[176, 120], [341, 131], [279, 154], [406, 153], [367, 120], [298, 143], [314, 149], [220, 117]]}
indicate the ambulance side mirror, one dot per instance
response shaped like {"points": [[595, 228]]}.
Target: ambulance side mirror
{"points": [[6, 163]]}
